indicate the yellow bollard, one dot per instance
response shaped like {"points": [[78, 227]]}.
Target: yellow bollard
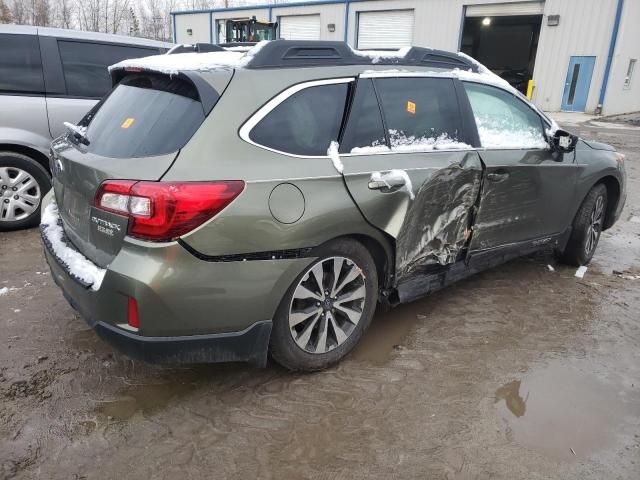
{"points": [[529, 89]]}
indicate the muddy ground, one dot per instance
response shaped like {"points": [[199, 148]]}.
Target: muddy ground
{"points": [[518, 373]]}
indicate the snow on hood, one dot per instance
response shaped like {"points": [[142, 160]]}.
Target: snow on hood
{"points": [[198, 62]]}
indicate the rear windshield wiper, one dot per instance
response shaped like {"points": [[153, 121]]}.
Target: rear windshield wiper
{"points": [[78, 132]]}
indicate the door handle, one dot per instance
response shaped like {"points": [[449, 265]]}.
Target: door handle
{"points": [[386, 181], [498, 177]]}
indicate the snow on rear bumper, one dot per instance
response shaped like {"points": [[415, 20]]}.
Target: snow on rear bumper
{"points": [[76, 265]]}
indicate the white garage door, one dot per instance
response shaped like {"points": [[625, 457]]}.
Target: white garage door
{"points": [[385, 29], [300, 27], [504, 9]]}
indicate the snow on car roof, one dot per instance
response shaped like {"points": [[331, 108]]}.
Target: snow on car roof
{"points": [[199, 62]]}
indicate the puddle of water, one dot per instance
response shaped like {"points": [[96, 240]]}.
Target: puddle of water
{"points": [[558, 410], [144, 399], [387, 330]]}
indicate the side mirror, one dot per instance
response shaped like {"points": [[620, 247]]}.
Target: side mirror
{"points": [[564, 141]]}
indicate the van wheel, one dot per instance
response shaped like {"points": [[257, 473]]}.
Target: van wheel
{"points": [[327, 308], [23, 183], [587, 227]]}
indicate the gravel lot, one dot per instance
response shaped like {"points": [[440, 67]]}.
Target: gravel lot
{"points": [[520, 372]]}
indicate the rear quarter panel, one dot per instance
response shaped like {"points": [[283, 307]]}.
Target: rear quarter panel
{"points": [[216, 152]]}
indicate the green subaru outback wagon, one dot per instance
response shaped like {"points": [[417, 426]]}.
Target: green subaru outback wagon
{"points": [[226, 206]]}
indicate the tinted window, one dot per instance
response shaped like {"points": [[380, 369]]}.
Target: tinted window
{"points": [[305, 123], [364, 128], [420, 112], [20, 65], [503, 120], [85, 65], [145, 115]]}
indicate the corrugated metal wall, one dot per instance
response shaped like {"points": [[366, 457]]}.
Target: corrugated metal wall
{"points": [[585, 29], [620, 99]]}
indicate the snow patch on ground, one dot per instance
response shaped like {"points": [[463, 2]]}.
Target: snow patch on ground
{"points": [[78, 264], [4, 291], [551, 269], [581, 271], [335, 156]]}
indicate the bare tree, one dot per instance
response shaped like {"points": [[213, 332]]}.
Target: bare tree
{"points": [[5, 13]]}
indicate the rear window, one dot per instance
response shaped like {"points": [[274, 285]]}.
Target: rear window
{"points": [[85, 65], [145, 115], [20, 64]]}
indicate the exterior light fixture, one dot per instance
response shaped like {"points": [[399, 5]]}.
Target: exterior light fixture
{"points": [[553, 20], [189, 31], [486, 21], [331, 27]]}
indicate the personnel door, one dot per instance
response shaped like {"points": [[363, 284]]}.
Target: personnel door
{"points": [[528, 188], [407, 167], [576, 88]]}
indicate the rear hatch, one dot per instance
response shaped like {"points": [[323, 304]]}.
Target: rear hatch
{"points": [[135, 133]]}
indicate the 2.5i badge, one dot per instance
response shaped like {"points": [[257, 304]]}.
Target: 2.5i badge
{"points": [[107, 230]]}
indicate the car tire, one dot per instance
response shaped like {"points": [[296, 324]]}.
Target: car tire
{"points": [[13, 164], [587, 227], [338, 320]]}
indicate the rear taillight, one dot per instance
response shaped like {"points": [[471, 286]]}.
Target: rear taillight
{"points": [[164, 211]]}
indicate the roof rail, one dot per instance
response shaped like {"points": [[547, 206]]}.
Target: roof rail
{"points": [[311, 53]]}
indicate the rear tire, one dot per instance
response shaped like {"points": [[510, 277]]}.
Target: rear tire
{"points": [[314, 327], [587, 227], [24, 178]]}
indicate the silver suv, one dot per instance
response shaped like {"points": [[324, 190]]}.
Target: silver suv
{"points": [[47, 77]]}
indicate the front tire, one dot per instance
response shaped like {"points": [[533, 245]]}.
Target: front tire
{"points": [[23, 184], [587, 227], [327, 309]]}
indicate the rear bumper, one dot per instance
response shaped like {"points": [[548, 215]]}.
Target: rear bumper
{"points": [[190, 310], [249, 345]]}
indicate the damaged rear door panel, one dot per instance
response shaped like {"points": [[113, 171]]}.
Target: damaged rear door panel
{"points": [[410, 170]]}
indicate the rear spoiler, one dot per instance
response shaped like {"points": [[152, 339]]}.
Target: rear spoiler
{"points": [[209, 96]]}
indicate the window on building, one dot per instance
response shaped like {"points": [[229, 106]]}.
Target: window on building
{"points": [[630, 69], [420, 113], [20, 64], [503, 120], [85, 65], [364, 128], [305, 123]]}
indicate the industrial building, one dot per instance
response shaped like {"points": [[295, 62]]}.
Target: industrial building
{"points": [[570, 55]]}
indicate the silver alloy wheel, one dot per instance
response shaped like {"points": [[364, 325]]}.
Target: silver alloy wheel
{"points": [[595, 225], [327, 305], [19, 194]]}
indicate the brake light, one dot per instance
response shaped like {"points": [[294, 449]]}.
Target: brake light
{"points": [[164, 211]]}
